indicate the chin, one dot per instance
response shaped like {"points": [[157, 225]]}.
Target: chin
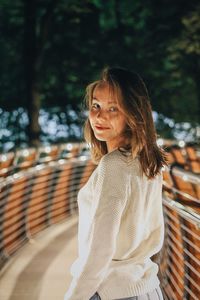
{"points": [[100, 138]]}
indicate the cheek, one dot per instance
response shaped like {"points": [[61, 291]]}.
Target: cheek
{"points": [[92, 113], [120, 122], [91, 117]]}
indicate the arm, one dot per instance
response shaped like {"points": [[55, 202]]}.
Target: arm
{"points": [[110, 198]]}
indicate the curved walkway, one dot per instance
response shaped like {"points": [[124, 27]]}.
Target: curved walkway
{"points": [[40, 270]]}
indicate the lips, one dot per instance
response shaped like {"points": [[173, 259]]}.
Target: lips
{"points": [[99, 127]]}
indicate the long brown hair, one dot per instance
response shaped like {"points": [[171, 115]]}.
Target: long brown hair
{"points": [[132, 96]]}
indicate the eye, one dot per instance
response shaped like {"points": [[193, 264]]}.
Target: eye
{"points": [[95, 106], [113, 109]]}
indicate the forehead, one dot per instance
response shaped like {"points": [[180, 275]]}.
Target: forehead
{"points": [[104, 92]]}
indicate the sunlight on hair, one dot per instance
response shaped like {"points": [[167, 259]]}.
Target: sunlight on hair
{"points": [[165, 168], [160, 142], [89, 145]]}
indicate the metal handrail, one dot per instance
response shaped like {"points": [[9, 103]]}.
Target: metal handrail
{"points": [[186, 175], [182, 210], [180, 256]]}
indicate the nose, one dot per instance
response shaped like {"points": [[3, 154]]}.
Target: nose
{"points": [[101, 114]]}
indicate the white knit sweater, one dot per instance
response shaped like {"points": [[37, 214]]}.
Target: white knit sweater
{"points": [[120, 227]]}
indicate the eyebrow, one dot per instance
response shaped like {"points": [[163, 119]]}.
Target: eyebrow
{"points": [[109, 102]]}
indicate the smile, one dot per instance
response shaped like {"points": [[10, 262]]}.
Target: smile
{"points": [[100, 127]]}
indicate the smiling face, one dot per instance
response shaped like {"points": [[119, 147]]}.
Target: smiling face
{"points": [[106, 117]]}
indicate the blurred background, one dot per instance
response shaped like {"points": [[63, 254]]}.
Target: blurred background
{"points": [[50, 50]]}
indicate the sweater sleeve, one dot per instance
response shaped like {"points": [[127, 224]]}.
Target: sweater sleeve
{"points": [[110, 194]]}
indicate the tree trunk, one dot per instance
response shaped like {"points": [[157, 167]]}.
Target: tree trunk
{"points": [[33, 55], [30, 56]]}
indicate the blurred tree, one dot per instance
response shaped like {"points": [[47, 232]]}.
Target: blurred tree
{"points": [[47, 55], [172, 89], [184, 56], [50, 50], [36, 35]]}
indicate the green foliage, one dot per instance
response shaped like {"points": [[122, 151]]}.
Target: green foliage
{"points": [[76, 39], [183, 63]]}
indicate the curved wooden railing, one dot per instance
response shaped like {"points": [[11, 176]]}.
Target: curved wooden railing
{"points": [[34, 198], [22, 159], [39, 188], [188, 157], [180, 256]]}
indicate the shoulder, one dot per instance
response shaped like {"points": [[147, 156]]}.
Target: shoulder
{"points": [[118, 163], [111, 175], [112, 159]]}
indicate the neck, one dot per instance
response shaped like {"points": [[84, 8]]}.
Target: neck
{"points": [[124, 145]]}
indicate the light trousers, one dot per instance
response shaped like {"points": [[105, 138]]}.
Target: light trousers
{"points": [[156, 294]]}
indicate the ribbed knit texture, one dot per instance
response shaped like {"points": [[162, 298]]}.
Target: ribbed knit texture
{"points": [[120, 227]]}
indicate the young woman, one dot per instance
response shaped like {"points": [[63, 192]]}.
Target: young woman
{"points": [[120, 208]]}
